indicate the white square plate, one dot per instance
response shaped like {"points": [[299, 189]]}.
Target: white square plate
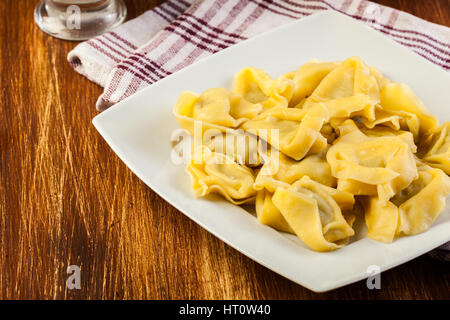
{"points": [[139, 128]]}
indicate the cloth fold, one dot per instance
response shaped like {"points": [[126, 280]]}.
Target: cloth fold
{"points": [[178, 33], [96, 58]]}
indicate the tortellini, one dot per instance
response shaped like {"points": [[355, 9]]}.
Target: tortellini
{"points": [[412, 210], [242, 148], [257, 87], [422, 202], [348, 90], [438, 153], [280, 170], [307, 78], [268, 214], [216, 172], [295, 132], [399, 97], [351, 77], [313, 211], [385, 162], [215, 108], [319, 148], [396, 120]]}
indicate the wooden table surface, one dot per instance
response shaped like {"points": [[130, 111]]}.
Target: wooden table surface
{"points": [[66, 198]]}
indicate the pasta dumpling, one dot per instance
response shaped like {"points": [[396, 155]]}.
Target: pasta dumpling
{"points": [[297, 130], [386, 163], [380, 131], [438, 153], [313, 211], [268, 214], [422, 202], [346, 107], [242, 148], [217, 173], [351, 77], [257, 87], [215, 108], [348, 90], [307, 78], [280, 170], [397, 120], [381, 219], [397, 97], [412, 210]]}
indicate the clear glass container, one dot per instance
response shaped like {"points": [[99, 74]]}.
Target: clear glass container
{"points": [[79, 19]]}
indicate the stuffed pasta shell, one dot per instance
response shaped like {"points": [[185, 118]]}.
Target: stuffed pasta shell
{"points": [[313, 211]]}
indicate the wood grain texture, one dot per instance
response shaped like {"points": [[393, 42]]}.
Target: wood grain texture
{"points": [[65, 197]]}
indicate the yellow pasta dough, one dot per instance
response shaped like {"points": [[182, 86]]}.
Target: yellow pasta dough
{"points": [[268, 214], [216, 108], [385, 162], [412, 210], [257, 87], [316, 149], [242, 148], [307, 78], [438, 153], [381, 219], [298, 130], [215, 172], [348, 90], [422, 202], [381, 131], [396, 120], [399, 97], [351, 77], [280, 170], [314, 213]]}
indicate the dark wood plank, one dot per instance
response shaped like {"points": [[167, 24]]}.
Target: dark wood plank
{"points": [[65, 198], [434, 11]]}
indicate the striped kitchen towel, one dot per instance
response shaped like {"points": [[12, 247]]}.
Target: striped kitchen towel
{"points": [[180, 32], [96, 58]]}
